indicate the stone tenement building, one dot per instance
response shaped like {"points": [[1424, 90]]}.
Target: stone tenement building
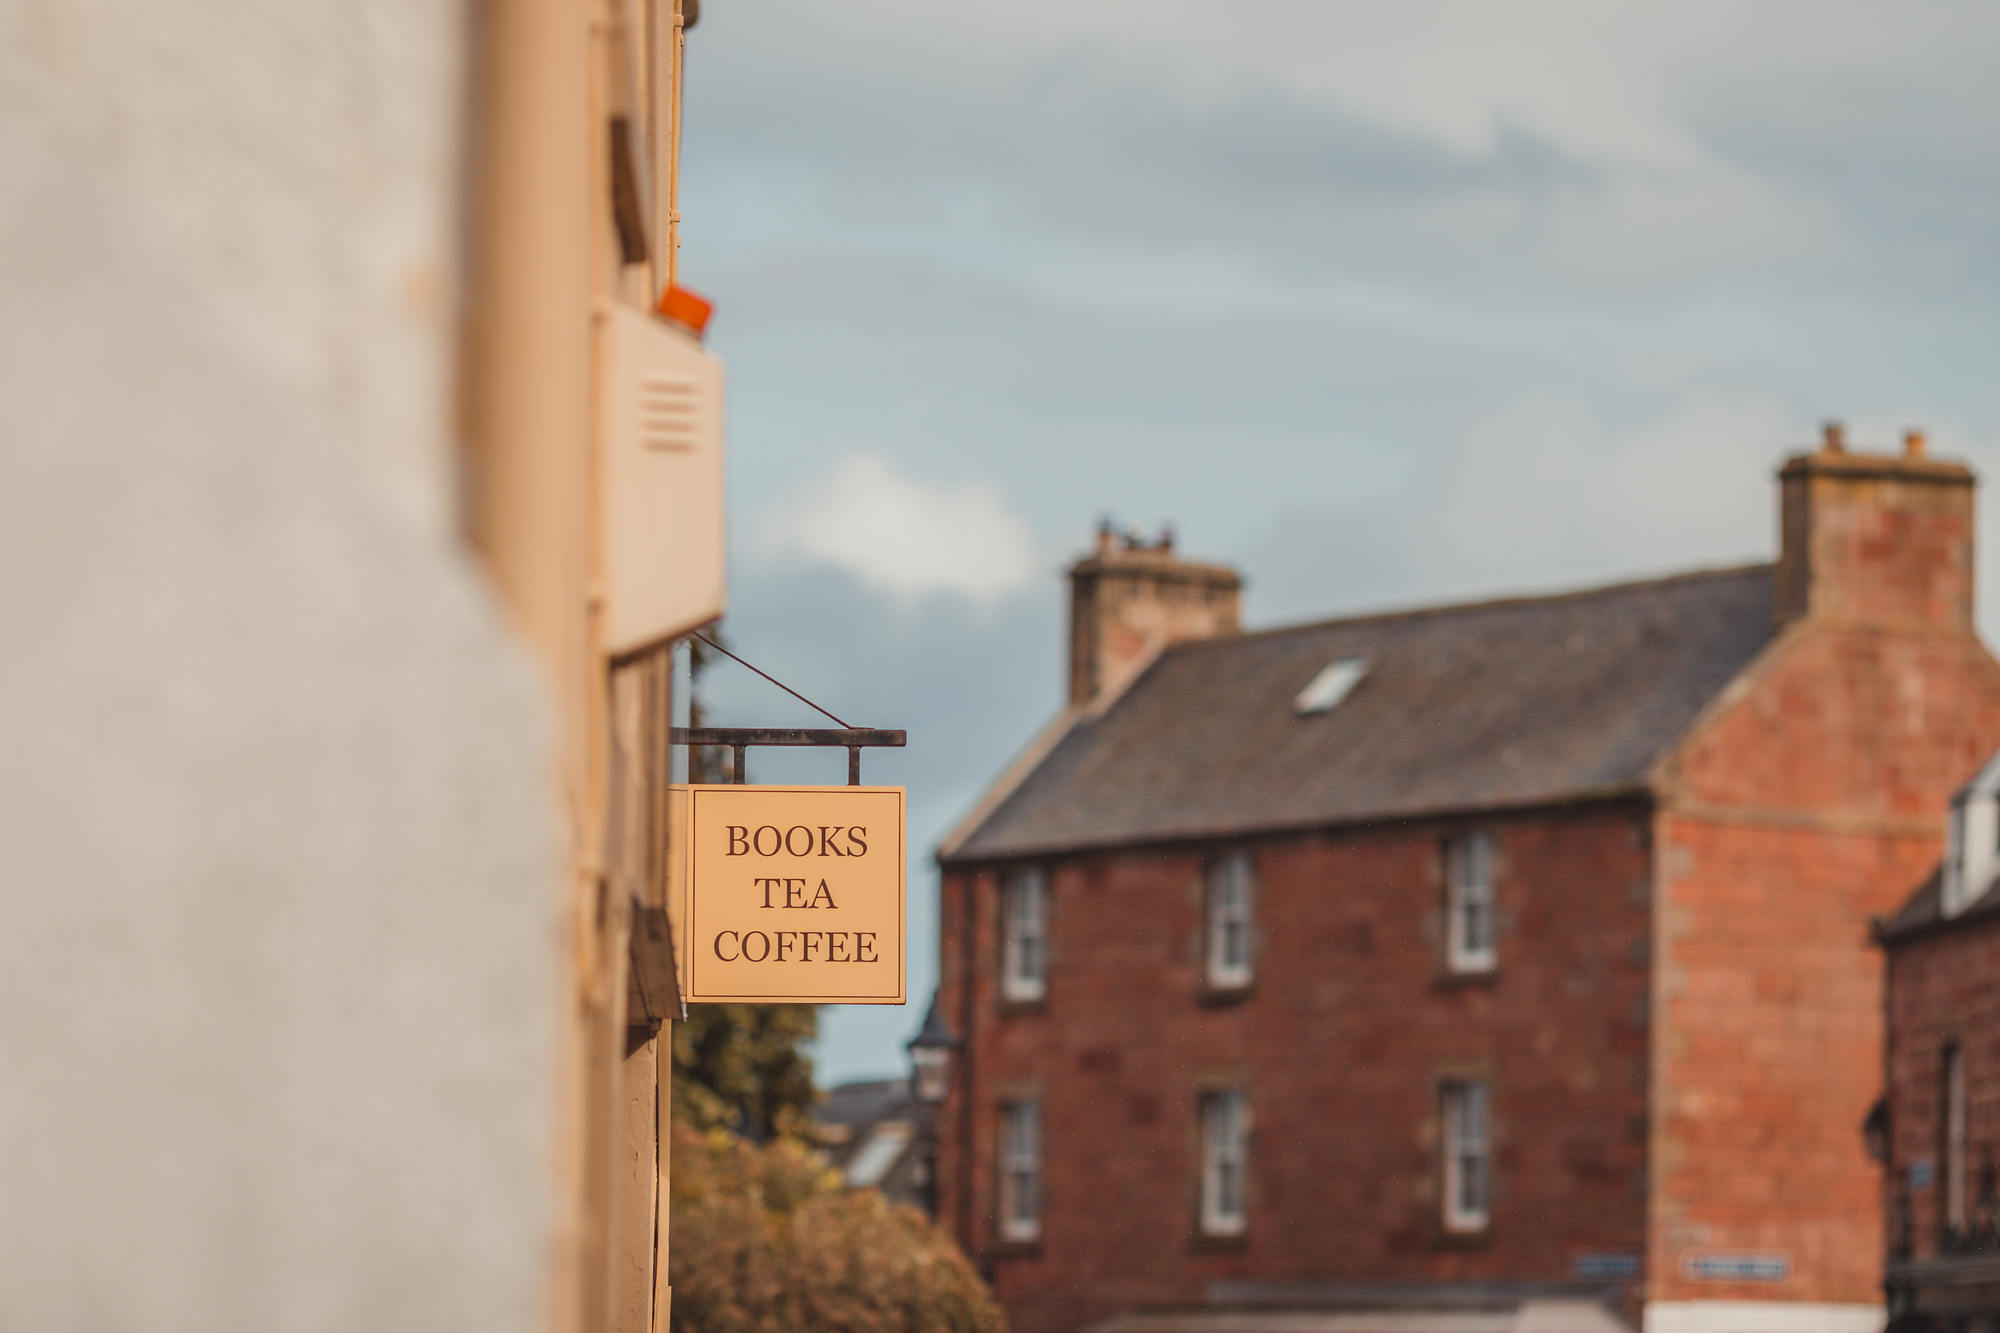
{"points": [[1511, 956], [1941, 1134]]}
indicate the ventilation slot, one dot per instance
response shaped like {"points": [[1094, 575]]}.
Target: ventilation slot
{"points": [[668, 409]]}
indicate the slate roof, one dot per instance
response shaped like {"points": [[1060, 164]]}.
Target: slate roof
{"points": [[1491, 705], [1923, 911], [861, 1104], [871, 1136]]}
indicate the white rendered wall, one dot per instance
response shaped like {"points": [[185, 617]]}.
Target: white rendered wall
{"points": [[276, 848]]}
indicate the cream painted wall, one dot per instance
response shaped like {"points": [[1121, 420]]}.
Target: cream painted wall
{"points": [[295, 170], [1761, 1317], [279, 861]]}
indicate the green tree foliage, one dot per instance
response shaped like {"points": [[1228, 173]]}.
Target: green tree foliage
{"points": [[766, 1240], [740, 1067]]}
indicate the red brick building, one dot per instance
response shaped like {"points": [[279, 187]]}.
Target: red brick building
{"points": [[1488, 957], [1940, 1116]]}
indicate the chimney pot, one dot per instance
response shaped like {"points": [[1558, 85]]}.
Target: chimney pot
{"points": [[1833, 437], [1872, 540], [1135, 598]]}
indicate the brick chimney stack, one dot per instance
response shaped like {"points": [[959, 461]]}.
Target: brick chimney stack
{"points": [[1130, 597], [1875, 539]]}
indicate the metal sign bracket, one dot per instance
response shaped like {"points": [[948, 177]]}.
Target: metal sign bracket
{"points": [[851, 739]]}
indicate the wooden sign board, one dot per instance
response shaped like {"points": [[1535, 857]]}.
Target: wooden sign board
{"points": [[788, 895]]}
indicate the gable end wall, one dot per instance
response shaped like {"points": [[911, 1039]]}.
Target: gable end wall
{"points": [[1806, 804]]}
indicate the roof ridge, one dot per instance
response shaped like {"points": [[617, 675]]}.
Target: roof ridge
{"points": [[1485, 604]]}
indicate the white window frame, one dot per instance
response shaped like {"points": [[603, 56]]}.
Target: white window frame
{"points": [[1469, 899], [1225, 1163], [1954, 1138], [1230, 894], [1024, 935], [1020, 1160], [1466, 1144], [1972, 850]]}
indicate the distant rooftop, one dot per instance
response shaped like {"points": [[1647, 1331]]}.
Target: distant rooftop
{"points": [[1488, 705], [863, 1103]]}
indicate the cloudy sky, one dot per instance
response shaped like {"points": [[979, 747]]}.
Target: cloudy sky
{"points": [[1384, 303]]}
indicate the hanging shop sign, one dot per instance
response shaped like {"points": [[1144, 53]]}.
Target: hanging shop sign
{"points": [[789, 895]]}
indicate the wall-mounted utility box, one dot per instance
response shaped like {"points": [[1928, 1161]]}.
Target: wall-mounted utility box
{"points": [[660, 414]]}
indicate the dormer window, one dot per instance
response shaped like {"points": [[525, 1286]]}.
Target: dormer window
{"points": [[1972, 848], [1951, 885], [1971, 842]]}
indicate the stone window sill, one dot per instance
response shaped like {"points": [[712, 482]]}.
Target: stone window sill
{"points": [[1023, 1006], [1219, 1242], [1212, 993], [1028, 1248], [1452, 1238]]}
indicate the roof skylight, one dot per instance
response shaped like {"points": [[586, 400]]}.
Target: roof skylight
{"points": [[873, 1159], [1331, 685]]}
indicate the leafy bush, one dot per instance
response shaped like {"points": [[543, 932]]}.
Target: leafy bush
{"points": [[767, 1240], [743, 1067]]}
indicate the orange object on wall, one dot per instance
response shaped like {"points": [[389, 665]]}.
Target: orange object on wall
{"points": [[686, 308]]}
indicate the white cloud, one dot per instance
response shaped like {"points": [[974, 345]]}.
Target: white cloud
{"points": [[906, 536], [1564, 147], [1555, 490], [1612, 84], [1543, 491]]}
